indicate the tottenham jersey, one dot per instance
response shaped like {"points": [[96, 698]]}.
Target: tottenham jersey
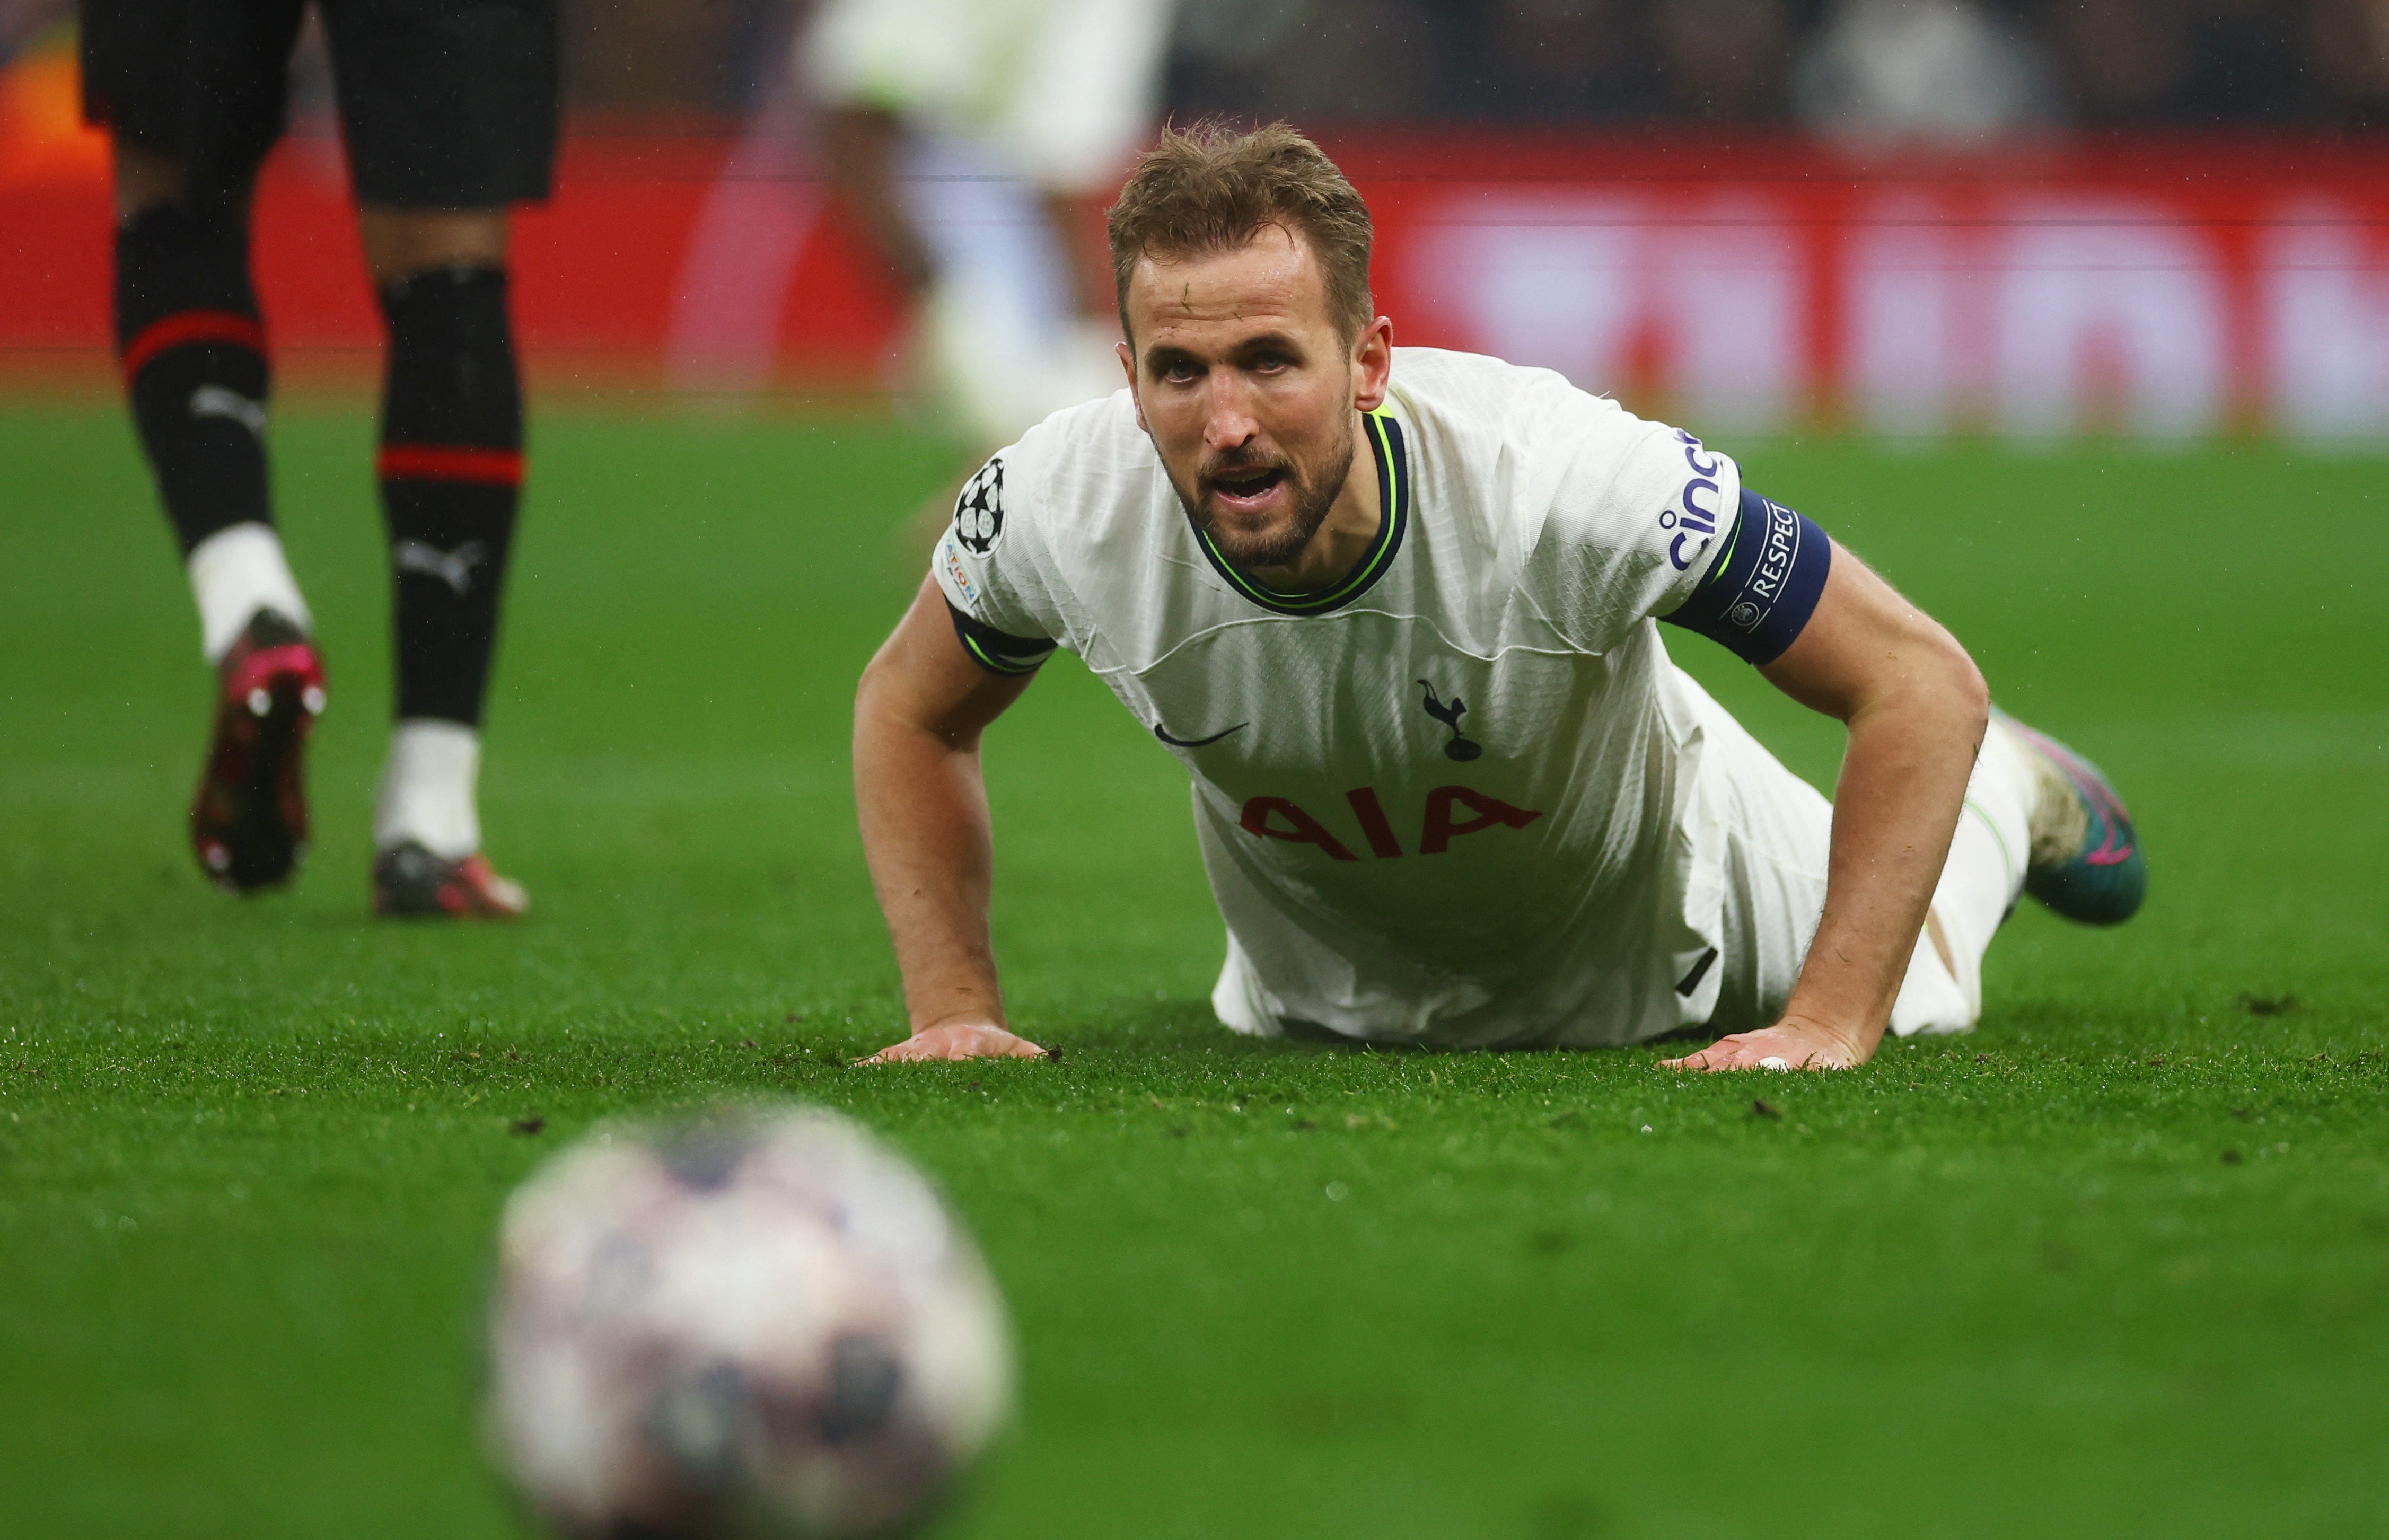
{"points": [[1457, 797]]}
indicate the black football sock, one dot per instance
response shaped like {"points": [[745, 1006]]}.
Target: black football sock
{"points": [[450, 471], [193, 350]]}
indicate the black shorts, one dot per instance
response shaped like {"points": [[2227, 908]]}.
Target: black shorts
{"points": [[444, 104]]}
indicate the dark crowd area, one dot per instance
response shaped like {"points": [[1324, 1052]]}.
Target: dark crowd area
{"points": [[1954, 70], [1932, 68]]}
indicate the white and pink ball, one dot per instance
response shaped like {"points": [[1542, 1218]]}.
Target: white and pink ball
{"points": [[765, 1324]]}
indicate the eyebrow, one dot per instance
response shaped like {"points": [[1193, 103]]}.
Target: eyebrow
{"points": [[1161, 354]]}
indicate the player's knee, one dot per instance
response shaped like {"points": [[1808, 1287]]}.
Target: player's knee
{"points": [[144, 179], [399, 243]]}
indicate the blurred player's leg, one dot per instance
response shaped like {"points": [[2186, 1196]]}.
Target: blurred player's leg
{"points": [[451, 474], [972, 140], [192, 346], [449, 116], [194, 367], [998, 326]]}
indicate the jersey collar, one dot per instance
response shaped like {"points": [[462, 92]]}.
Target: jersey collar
{"points": [[1393, 521]]}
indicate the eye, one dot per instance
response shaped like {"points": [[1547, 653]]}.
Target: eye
{"points": [[1177, 370]]}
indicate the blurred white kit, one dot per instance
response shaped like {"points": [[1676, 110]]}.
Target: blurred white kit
{"points": [[1059, 92], [1010, 103]]}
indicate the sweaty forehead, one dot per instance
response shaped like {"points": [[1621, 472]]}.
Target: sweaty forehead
{"points": [[1272, 282]]}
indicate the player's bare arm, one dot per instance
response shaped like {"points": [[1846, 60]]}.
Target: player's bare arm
{"points": [[1916, 707], [918, 791]]}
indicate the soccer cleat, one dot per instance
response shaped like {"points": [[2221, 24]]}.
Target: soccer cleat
{"points": [[248, 818], [2086, 861], [409, 880]]}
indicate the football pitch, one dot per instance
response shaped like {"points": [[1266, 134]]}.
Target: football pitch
{"points": [[2117, 1264]]}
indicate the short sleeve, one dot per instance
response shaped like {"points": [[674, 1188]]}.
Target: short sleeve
{"points": [[1636, 511], [988, 565]]}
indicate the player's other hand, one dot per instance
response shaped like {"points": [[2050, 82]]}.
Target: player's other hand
{"points": [[958, 1040], [1787, 1045]]}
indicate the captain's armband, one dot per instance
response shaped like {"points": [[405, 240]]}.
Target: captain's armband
{"points": [[1763, 586], [999, 652]]}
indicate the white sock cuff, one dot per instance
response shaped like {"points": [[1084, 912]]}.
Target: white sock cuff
{"points": [[236, 572], [429, 789], [1999, 795], [1978, 886]]}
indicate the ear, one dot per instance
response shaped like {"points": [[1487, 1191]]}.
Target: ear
{"points": [[1373, 364], [1127, 366]]}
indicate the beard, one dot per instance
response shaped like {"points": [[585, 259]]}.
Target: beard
{"points": [[1312, 495]]}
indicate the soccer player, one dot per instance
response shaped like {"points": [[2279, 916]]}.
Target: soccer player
{"points": [[1395, 612], [448, 110], [974, 139]]}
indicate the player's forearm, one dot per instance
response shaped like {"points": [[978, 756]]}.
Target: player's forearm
{"points": [[1902, 784], [927, 836]]}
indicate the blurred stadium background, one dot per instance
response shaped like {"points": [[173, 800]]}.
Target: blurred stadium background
{"points": [[2165, 219]]}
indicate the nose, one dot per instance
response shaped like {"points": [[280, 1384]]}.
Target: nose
{"points": [[1229, 421]]}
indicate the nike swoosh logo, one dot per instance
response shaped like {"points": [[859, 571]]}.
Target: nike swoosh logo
{"points": [[1163, 734]]}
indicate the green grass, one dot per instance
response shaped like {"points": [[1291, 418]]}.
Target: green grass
{"points": [[251, 1154]]}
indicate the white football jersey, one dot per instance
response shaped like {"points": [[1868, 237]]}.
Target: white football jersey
{"points": [[1458, 797]]}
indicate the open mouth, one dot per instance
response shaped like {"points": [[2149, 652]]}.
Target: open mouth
{"points": [[1247, 485]]}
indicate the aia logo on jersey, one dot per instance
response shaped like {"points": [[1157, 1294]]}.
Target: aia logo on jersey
{"points": [[1450, 812], [978, 513], [1448, 713]]}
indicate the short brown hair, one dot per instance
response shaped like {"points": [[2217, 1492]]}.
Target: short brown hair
{"points": [[1211, 188]]}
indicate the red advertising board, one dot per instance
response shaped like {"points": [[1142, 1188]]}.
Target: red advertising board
{"points": [[602, 268], [2159, 287], [2163, 287]]}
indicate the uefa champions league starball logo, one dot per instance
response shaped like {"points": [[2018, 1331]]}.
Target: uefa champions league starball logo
{"points": [[978, 513]]}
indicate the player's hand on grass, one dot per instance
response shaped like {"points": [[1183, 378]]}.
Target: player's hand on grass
{"points": [[1787, 1045], [958, 1040]]}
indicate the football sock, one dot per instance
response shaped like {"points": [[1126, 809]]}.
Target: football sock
{"points": [[193, 350], [236, 572], [451, 470], [1985, 874], [427, 789]]}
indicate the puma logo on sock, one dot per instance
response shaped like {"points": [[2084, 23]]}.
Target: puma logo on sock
{"points": [[214, 400], [453, 567]]}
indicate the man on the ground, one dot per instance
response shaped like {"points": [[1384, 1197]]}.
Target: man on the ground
{"points": [[1395, 612]]}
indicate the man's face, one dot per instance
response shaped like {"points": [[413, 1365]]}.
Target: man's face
{"points": [[1246, 391]]}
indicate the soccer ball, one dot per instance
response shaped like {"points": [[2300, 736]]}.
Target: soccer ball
{"points": [[764, 1324]]}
